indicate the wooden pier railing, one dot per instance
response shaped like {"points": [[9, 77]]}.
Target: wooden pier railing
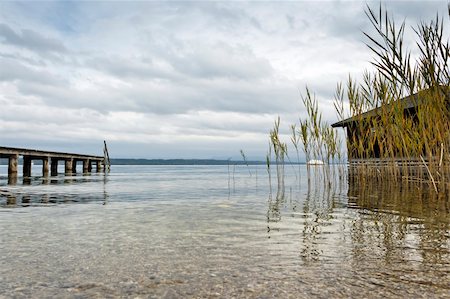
{"points": [[49, 161]]}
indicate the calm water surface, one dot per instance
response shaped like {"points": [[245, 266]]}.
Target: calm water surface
{"points": [[214, 231]]}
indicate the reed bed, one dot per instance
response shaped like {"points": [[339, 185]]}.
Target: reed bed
{"points": [[400, 111], [397, 119]]}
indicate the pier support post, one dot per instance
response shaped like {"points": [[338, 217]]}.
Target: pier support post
{"points": [[12, 165], [54, 167], [97, 166], [26, 166], [74, 166], [12, 169], [68, 166], [86, 164], [12, 180], [89, 165], [45, 167]]}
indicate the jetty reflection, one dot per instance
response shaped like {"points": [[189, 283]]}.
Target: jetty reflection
{"points": [[38, 191]]}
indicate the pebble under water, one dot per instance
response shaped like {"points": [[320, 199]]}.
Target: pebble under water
{"points": [[218, 231]]}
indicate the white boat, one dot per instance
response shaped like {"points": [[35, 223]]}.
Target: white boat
{"points": [[315, 162]]}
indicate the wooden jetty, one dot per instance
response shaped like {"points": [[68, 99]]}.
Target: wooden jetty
{"points": [[49, 161]]}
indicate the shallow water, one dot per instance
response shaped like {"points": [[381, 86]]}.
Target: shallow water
{"points": [[214, 231]]}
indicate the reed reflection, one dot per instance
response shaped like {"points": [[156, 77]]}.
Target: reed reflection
{"points": [[399, 222], [361, 221], [274, 212], [318, 207]]}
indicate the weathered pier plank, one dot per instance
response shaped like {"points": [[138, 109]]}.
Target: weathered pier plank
{"points": [[49, 160]]}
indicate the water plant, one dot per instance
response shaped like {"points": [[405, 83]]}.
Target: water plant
{"points": [[295, 139], [245, 161], [268, 168], [319, 140], [397, 119], [400, 112], [280, 150]]}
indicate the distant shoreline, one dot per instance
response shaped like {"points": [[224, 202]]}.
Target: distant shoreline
{"points": [[171, 162], [181, 162]]}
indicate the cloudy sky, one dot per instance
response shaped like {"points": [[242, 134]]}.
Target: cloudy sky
{"points": [[175, 79]]}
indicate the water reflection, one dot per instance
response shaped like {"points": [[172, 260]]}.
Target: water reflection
{"points": [[177, 232], [362, 222], [12, 180], [317, 211], [274, 211], [37, 191], [400, 222]]}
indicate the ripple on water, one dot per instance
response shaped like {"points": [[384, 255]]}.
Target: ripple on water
{"points": [[183, 232]]}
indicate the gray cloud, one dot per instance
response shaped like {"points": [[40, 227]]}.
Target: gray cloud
{"points": [[207, 77], [15, 70], [131, 67], [221, 60], [31, 40]]}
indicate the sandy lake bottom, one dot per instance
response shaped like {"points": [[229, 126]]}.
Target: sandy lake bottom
{"points": [[218, 231]]}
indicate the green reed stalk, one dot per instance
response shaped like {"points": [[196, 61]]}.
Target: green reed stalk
{"points": [[245, 161]]}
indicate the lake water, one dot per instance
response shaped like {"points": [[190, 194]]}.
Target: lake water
{"points": [[219, 231]]}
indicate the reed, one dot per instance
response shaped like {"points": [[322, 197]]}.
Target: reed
{"points": [[280, 150], [295, 139], [245, 161], [268, 156], [411, 99], [399, 127], [319, 140]]}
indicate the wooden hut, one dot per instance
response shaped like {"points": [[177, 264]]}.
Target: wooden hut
{"points": [[379, 134]]}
